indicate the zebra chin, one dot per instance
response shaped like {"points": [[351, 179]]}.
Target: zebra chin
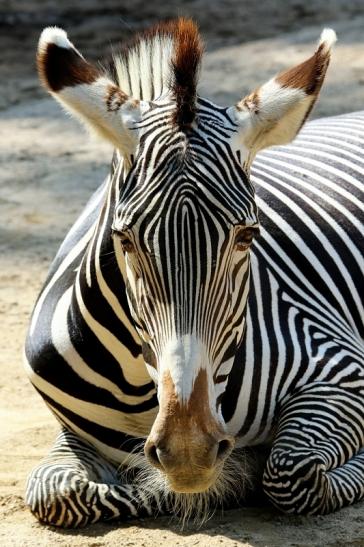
{"points": [[226, 486], [192, 485]]}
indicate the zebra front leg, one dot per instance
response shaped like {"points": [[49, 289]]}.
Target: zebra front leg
{"points": [[316, 465], [75, 486]]}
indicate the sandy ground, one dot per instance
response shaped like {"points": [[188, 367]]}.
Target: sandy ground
{"points": [[48, 170]]}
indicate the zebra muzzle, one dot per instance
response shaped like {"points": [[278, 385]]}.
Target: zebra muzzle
{"points": [[187, 443], [190, 461]]}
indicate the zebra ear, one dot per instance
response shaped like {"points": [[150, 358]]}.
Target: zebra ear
{"points": [[85, 91], [275, 112]]}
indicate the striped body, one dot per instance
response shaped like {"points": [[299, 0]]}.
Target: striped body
{"points": [[305, 317], [166, 343]]}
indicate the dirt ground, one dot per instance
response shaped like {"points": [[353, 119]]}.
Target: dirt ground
{"points": [[49, 167]]}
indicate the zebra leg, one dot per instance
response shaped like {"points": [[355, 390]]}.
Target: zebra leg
{"points": [[316, 465], [75, 486]]}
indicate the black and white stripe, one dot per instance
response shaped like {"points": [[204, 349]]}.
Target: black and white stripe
{"points": [[297, 379]]}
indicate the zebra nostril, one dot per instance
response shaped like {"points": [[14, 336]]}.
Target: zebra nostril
{"points": [[224, 449], [151, 451]]}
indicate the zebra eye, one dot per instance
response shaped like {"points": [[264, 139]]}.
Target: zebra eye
{"points": [[244, 238], [126, 244]]}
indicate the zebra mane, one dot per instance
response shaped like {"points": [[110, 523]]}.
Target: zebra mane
{"points": [[160, 62]]}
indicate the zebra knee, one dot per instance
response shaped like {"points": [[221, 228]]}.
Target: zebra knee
{"points": [[297, 482], [60, 499]]}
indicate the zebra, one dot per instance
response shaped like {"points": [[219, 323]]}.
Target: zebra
{"points": [[202, 310]]}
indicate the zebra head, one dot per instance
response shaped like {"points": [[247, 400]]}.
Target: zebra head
{"points": [[185, 218]]}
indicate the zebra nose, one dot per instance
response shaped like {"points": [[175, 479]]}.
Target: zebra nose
{"points": [[162, 457]]}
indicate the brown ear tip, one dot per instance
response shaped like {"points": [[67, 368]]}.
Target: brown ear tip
{"points": [[60, 64], [51, 38]]}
